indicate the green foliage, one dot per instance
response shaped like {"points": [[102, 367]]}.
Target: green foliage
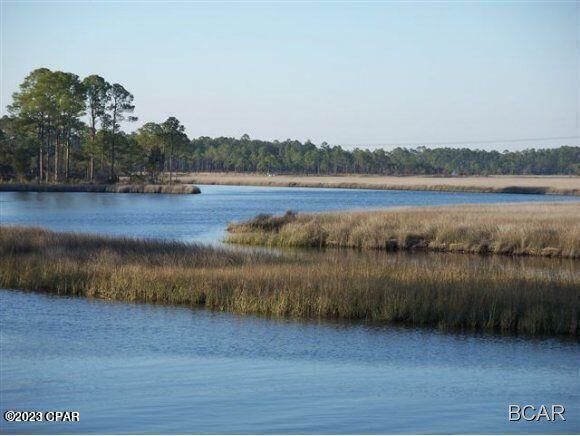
{"points": [[97, 91], [120, 105], [148, 139], [17, 149], [294, 157], [45, 138], [163, 146]]}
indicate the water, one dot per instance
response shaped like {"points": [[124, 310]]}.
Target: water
{"points": [[204, 217], [141, 368]]}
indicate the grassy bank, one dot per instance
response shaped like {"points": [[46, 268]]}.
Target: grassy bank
{"points": [[492, 184], [534, 229], [356, 286], [119, 188]]}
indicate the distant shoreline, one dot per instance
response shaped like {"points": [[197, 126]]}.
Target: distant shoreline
{"points": [[555, 185], [186, 184], [104, 188]]}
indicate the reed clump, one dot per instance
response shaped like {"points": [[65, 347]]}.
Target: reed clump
{"points": [[533, 229], [368, 286]]}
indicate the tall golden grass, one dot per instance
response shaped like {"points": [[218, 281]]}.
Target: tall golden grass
{"points": [[369, 286], [498, 184], [535, 229], [113, 188]]}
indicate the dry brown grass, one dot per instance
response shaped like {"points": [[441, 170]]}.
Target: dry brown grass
{"points": [[535, 229], [119, 188], [498, 184], [371, 286]]}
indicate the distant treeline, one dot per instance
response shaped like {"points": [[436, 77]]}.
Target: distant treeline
{"points": [[62, 128], [245, 155]]}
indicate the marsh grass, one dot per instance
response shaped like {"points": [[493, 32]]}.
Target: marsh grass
{"points": [[493, 184], [330, 285], [114, 188], [534, 229]]}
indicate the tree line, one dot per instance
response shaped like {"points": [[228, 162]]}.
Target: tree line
{"points": [[60, 127], [245, 155]]}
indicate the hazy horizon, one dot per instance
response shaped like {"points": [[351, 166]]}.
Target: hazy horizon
{"points": [[487, 76]]}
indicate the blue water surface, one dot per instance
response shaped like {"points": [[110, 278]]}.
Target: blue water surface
{"points": [[139, 368]]}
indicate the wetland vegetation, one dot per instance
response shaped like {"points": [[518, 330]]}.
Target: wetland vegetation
{"points": [[533, 229], [500, 296], [563, 185]]}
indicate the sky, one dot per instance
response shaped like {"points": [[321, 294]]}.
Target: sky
{"points": [[492, 75]]}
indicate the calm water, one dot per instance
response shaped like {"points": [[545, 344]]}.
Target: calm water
{"points": [[204, 217], [141, 368]]}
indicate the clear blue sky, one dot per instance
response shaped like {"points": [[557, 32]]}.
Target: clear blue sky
{"points": [[347, 73]]}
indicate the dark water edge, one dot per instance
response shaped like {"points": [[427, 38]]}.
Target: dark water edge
{"points": [[141, 368], [100, 188]]}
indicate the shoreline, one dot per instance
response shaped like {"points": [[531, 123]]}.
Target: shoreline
{"points": [[187, 184], [101, 188], [539, 185]]}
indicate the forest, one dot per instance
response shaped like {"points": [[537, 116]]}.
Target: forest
{"points": [[61, 128]]}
